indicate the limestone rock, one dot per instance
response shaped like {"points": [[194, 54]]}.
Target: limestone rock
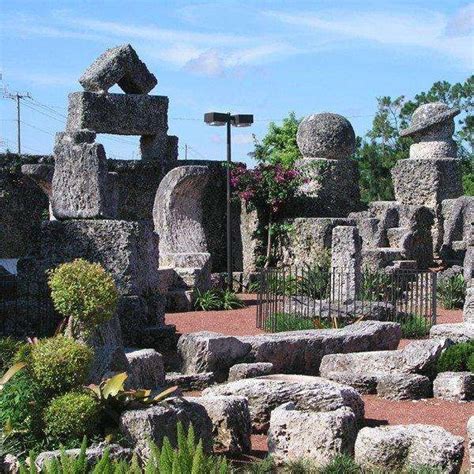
{"points": [[9, 464], [302, 351], [326, 135], [404, 386], [118, 114], [119, 65], [156, 422], [455, 386], [399, 447], [146, 368], [316, 436], [93, 454], [456, 332], [468, 309], [231, 426], [210, 352], [189, 382], [80, 182], [470, 440], [307, 393], [249, 371]]}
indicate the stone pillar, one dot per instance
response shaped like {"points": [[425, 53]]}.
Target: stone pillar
{"points": [[326, 142], [346, 263]]}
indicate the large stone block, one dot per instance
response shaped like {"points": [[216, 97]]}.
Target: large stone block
{"points": [[315, 436], [302, 351], [426, 182], [470, 440], [211, 352], [455, 386], [249, 371], [456, 332], [153, 424], [147, 369], [118, 114], [398, 448], [231, 426], [120, 65], [307, 393], [80, 188], [127, 250], [468, 309], [320, 195], [401, 386]]}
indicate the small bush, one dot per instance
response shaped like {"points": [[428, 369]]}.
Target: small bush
{"points": [[216, 300], [281, 322], [470, 363], [8, 349], [414, 327], [452, 291], [60, 364], [456, 358], [70, 417], [83, 291], [342, 464]]}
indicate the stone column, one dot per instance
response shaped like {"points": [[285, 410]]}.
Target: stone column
{"points": [[346, 263]]}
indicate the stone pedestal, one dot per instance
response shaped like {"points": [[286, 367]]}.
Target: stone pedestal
{"points": [[331, 188], [426, 182]]}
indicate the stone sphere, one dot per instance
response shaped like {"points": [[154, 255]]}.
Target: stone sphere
{"points": [[426, 111], [326, 135]]}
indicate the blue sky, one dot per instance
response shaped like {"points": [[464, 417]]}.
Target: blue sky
{"points": [[260, 57]]}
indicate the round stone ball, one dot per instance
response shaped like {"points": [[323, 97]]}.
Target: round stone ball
{"points": [[326, 135]]}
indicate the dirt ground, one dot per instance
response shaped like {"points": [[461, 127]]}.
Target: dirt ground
{"points": [[450, 415]]}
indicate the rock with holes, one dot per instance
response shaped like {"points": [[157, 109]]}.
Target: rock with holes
{"points": [[249, 371], [231, 426], [307, 393], [146, 368], [154, 423], [455, 386], [211, 352], [119, 65], [400, 447], [315, 436], [401, 386]]}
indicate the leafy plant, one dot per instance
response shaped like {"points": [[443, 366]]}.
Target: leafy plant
{"points": [[341, 464], [452, 291], [217, 300], [8, 349], [70, 417], [114, 398], [457, 358], [60, 364], [84, 292], [281, 322], [376, 285], [414, 327]]}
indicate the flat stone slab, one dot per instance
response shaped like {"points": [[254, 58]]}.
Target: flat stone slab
{"points": [[118, 114], [302, 351], [307, 393], [400, 386], [231, 425], [316, 436], [456, 332], [120, 65], [454, 386], [400, 447], [188, 382], [249, 371]]}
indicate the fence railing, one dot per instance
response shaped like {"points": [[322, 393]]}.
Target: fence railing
{"points": [[24, 312], [314, 297]]}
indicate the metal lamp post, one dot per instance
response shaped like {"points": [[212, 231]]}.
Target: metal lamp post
{"points": [[239, 120]]}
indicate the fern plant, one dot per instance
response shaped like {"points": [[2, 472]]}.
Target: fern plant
{"points": [[451, 292], [216, 300]]}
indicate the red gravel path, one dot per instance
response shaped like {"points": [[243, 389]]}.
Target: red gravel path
{"points": [[450, 415]]}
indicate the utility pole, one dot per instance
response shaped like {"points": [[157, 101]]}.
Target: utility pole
{"points": [[17, 98]]}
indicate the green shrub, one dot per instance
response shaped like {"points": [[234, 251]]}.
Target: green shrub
{"points": [[8, 349], [21, 405], [281, 322], [456, 358], [216, 300], [452, 291], [376, 285], [70, 417], [342, 464], [83, 291], [470, 363], [60, 364], [414, 327]]}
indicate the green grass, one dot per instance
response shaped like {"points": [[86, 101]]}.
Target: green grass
{"points": [[414, 327], [281, 322]]}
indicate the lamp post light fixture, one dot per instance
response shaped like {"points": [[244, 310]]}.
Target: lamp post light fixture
{"points": [[238, 120]]}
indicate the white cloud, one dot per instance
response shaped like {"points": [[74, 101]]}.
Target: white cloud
{"points": [[209, 63], [419, 29], [462, 23]]}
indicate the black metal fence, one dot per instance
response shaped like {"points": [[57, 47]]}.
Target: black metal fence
{"points": [[316, 297], [25, 311]]}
